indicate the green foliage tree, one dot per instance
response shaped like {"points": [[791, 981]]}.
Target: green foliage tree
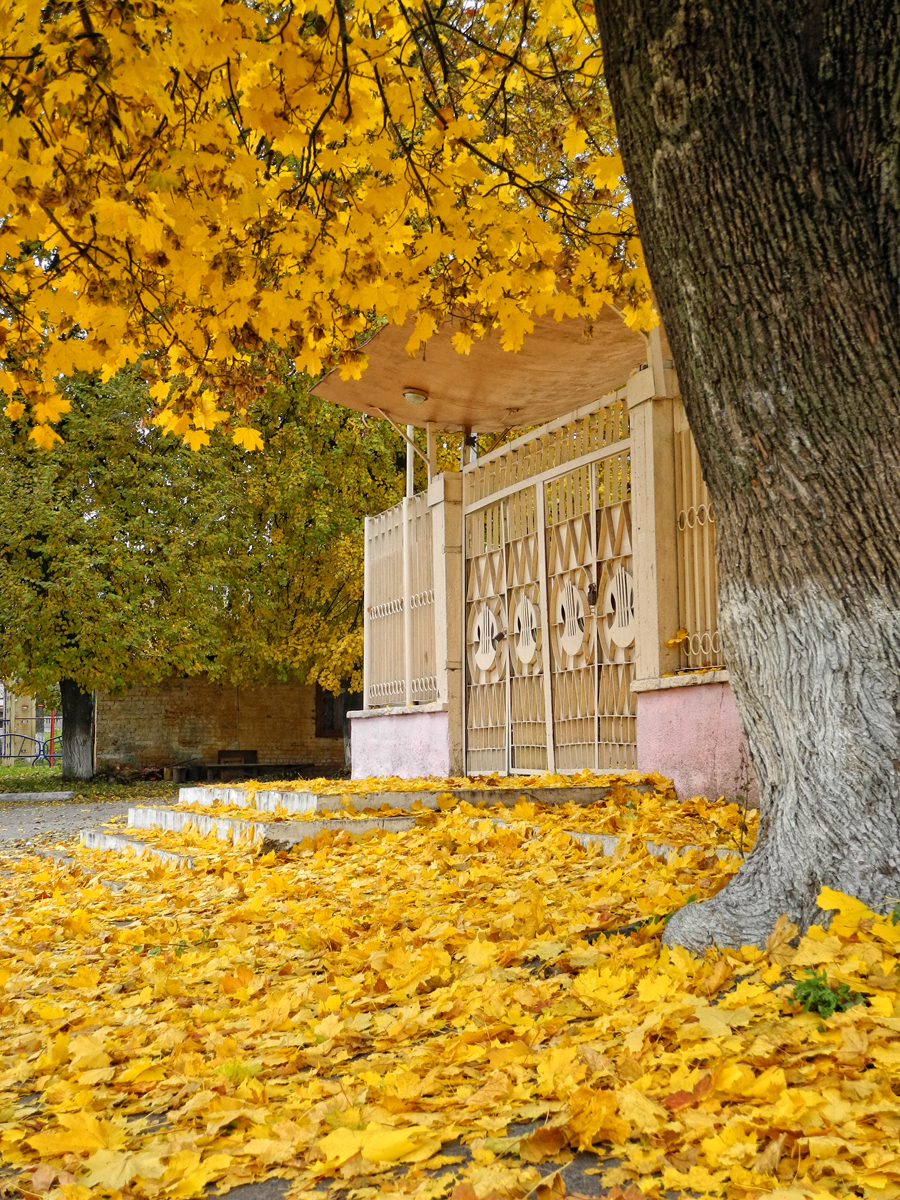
{"points": [[125, 557]]}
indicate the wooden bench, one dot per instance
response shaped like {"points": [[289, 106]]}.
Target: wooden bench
{"points": [[237, 764]]}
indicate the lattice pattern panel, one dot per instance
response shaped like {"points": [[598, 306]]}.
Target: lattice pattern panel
{"points": [[570, 569], [616, 624], [527, 707], [387, 667], [486, 642], [544, 450], [697, 589]]}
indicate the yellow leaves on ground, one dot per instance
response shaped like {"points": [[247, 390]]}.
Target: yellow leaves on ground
{"points": [[421, 1014]]}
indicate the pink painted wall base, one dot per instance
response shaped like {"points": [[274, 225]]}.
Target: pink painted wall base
{"points": [[693, 735], [406, 745]]}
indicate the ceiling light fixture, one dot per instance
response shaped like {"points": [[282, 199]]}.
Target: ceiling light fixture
{"points": [[413, 397]]}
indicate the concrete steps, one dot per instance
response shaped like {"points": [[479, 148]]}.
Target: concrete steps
{"points": [[268, 799], [267, 835]]}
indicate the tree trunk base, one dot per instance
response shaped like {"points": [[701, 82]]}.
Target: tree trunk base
{"points": [[78, 731]]}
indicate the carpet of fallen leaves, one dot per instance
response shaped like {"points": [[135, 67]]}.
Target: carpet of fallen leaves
{"points": [[356, 1014], [431, 783], [655, 817]]}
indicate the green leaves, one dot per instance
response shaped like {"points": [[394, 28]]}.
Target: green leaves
{"points": [[126, 558], [815, 994]]}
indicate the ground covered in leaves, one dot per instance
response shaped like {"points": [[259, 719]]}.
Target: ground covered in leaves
{"points": [[350, 1015]]}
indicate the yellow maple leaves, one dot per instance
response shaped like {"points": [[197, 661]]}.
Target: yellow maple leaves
{"points": [[204, 190], [340, 1016]]}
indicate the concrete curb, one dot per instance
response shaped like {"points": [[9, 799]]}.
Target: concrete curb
{"points": [[94, 839], [33, 797]]}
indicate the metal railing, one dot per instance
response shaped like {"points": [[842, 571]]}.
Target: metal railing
{"points": [[399, 635]]}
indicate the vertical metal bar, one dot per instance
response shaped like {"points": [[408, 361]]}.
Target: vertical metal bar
{"points": [[697, 551], [410, 461], [595, 579], [367, 620], [407, 612], [465, 657], [543, 599], [506, 647]]}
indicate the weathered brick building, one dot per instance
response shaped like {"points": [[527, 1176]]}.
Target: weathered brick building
{"points": [[187, 721]]}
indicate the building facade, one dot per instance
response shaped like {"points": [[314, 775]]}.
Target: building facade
{"points": [[190, 721], [551, 606]]}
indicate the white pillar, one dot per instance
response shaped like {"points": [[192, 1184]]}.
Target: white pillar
{"points": [[367, 624], [430, 450], [407, 589], [410, 461]]}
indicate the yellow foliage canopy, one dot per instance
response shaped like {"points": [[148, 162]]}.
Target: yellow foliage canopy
{"points": [[203, 181]]}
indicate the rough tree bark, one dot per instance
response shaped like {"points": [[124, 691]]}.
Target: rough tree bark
{"points": [[762, 144], [78, 731]]}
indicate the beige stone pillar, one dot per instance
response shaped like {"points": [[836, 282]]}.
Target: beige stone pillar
{"points": [[445, 503], [651, 394]]}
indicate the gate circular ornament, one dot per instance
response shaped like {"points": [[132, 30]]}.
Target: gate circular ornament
{"points": [[525, 631], [571, 618], [619, 609], [485, 638]]}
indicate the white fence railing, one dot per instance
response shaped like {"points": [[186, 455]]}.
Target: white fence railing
{"points": [[399, 637]]}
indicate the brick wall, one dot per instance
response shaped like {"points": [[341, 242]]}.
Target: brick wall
{"points": [[191, 720]]}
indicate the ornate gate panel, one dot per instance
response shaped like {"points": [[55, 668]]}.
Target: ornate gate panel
{"points": [[487, 701], [525, 605], [617, 734], [550, 623], [570, 568]]}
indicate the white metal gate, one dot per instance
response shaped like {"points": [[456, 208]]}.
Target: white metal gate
{"points": [[550, 624]]}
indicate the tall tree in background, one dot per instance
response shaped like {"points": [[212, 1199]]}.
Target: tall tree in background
{"points": [[124, 557], [762, 145]]}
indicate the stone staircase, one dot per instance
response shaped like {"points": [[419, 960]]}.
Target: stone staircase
{"points": [[262, 825]]}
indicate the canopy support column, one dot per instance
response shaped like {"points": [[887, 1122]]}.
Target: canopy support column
{"points": [[410, 461]]}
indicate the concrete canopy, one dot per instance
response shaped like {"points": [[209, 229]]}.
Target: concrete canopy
{"points": [[491, 389]]}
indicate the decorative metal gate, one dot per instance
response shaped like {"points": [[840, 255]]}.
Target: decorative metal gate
{"points": [[550, 625]]}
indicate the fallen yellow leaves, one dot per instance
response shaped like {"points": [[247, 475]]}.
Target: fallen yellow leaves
{"points": [[431, 783], [421, 1014]]}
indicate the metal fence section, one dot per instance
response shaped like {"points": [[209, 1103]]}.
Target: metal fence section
{"points": [[701, 649], [399, 633], [419, 555], [27, 732], [487, 700], [547, 449]]}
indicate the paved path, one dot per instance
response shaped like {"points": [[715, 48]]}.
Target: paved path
{"points": [[30, 823]]}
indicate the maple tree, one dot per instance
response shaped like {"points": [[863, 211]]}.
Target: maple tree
{"points": [[195, 185], [124, 557]]}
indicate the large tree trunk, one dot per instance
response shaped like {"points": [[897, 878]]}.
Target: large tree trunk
{"points": [[78, 731], [761, 144]]}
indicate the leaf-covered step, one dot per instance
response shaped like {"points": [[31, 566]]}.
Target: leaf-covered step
{"points": [[272, 834], [269, 799], [97, 839]]}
